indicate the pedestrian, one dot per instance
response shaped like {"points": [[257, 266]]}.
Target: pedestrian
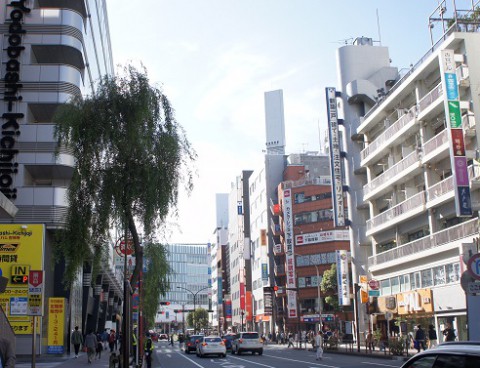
{"points": [[99, 348], [432, 337], [91, 345], [77, 340], [7, 353], [420, 338], [449, 333], [148, 350], [319, 344], [111, 341], [105, 335], [171, 339], [370, 341], [134, 347], [290, 340]]}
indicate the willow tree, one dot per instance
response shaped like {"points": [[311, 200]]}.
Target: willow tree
{"points": [[132, 156]]}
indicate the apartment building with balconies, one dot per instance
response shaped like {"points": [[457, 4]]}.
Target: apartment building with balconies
{"points": [[412, 149]]}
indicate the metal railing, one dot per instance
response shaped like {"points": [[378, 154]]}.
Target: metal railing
{"points": [[388, 133], [440, 189], [457, 232], [430, 98], [410, 204], [397, 169], [323, 180], [432, 144]]}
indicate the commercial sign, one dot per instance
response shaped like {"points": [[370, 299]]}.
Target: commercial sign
{"points": [[322, 237], [21, 250], [35, 293], [335, 159], [289, 253], [453, 115], [343, 279], [56, 325], [415, 302]]}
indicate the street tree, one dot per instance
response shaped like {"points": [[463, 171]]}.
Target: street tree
{"points": [[329, 286], [132, 156], [198, 319]]}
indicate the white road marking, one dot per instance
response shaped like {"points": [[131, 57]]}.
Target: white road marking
{"points": [[252, 362], [383, 365], [302, 361], [184, 356]]}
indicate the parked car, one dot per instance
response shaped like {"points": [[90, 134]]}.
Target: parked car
{"points": [[458, 354], [227, 340], [163, 337], [191, 343], [211, 345], [247, 341]]}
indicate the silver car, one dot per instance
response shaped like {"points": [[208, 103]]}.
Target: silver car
{"points": [[211, 345], [247, 341], [461, 354]]}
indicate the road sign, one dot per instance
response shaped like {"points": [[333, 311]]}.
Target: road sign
{"points": [[473, 266], [362, 279], [35, 293], [388, 315], [473, 288], [19, 274], [374, 284], [373, 292]]}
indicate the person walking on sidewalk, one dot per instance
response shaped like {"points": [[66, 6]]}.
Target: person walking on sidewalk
{"points": [[111, 341], [432, 337], [77, 340], [420, 338], [91, 344], [319, 345], [290, 340]]}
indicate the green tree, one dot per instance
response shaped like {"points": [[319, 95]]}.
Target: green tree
{"points": [[329, 286], [198, 319], [155, 280], [131, 156]]}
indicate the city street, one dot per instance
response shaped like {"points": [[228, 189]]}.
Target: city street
{"points": [[274, 356]]}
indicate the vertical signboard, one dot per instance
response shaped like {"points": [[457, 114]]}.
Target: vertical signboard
{"points": [[35, 293], [263, 254], [289, 253], [343, 279], [21, 250], [453, 115], [56, 325], [335, 159]]}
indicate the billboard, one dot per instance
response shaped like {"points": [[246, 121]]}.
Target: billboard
{"points": [[343, 279], [21, 250], [289, 253], [56, 325], [335, 159], [453, 116]]}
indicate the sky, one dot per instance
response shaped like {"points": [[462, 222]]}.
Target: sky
{"points": [[214, 59]]}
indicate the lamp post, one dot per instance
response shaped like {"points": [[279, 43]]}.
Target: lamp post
{"points": [[319, 301], [194, 303]]}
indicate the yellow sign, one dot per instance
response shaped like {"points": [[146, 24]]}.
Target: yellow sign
{"points": [[56, 325], [415, 302], [21, 250]]}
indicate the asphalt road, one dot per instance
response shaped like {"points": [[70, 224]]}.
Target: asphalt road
{"points": [[274, 356]]}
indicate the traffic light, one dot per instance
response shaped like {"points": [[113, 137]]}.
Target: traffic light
{"points": [[164, 303], [161, 312], [267, 289]]}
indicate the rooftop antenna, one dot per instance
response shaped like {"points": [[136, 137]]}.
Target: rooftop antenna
{"points": [[378, 27]]}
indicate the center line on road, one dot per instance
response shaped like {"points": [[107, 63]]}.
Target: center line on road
{"points": [[249, 361], [383, 365], [198, 365]]}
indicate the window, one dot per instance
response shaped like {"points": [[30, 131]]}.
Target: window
{"points": [[423, 362], [439, 275], [453, 272], [427, 280], [385, 287], [405, 283], [395, 284]]}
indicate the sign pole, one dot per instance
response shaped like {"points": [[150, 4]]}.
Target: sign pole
{"points": [[34, 353]]}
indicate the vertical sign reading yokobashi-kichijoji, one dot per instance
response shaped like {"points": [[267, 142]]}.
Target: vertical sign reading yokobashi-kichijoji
{"points": [[453, 117], [289, 254], [335, 159], [16, 11]]}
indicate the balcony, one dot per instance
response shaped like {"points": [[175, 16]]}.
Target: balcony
{"points": [[400, 172], [461, 231], [430, 101], [278, 249], [275, 228], [279, 270], [392, 133], [408, 208], [440, 192], [275, 208], [322, 180], [436, 148]]}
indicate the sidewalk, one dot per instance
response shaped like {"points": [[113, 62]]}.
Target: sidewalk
{"points": [[64, 361]]}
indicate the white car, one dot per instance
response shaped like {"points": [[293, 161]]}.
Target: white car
{"points": [[211, 345], [247, 341]]}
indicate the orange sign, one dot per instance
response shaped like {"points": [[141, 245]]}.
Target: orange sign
{"points": [[415, 302]]}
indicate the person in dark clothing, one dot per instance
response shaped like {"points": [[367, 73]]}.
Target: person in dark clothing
{"points": [[448, 333], [432, 337], [420, 338]]}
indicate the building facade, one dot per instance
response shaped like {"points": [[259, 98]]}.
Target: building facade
{"points": [[52, 51], [412, 148]]}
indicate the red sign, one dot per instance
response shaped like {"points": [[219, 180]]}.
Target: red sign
{"points": [[120, 247], [374, 284], [473, 266], [35, 278]]}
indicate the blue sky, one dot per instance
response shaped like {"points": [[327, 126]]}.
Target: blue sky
{"points": [[215, 59]]}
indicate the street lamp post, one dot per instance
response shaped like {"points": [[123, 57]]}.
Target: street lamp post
{"points": [[319, 301], [194, 303]]}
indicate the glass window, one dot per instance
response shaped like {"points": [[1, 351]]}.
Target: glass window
{"points": [[423, 362], [385, 287], [427, 279], [452, 272], [395, 284], [439, 275]]}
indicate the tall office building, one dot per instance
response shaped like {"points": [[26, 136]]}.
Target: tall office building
{"points": [[52, 51], [411, 143]]}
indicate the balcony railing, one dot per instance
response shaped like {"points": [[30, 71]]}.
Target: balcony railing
{"points": [[383, 138], [275, 227], [440, 189], [274, 207], [279, 269], [323, 180], [430, 98], [398, 169], [457, 232], [432, 144], [409, 205]]}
